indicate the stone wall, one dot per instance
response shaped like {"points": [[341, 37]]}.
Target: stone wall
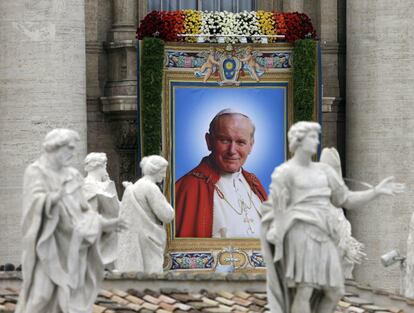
{"points": [[42, 86], [380, 126]]}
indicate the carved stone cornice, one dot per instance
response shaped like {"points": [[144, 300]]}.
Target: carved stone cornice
{"points": [[119, 105], [332, 105], [94, 47], [120, 44], [330, 47]]}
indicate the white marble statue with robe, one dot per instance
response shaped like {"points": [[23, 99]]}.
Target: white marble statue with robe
{"points": [[351, 250], [300, 227], [63, 259], [100, 192], [409, 262], [141, 248]]}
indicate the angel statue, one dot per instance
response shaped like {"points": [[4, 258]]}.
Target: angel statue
{"points": [[300, 227], [209, 67], [351, 250], [251, 66]]}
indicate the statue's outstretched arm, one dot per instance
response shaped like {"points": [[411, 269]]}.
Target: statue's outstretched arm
{"points": [[387, 186]]}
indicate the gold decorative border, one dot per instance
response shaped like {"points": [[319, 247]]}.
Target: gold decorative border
{"points": [[171, 75], [186, 75]]}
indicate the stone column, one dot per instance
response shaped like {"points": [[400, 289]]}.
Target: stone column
{"points": [[124, 20], [119, 103], [380, 126], [328, 16], [42, 86], [293, 6]]}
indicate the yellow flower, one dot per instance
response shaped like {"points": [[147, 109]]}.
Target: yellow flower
{"points": [[192, 24]]}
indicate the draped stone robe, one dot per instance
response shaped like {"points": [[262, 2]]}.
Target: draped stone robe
{"points": [[62, 261]]}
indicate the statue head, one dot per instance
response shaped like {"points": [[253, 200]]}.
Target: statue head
{"points": [[304, 135], [60, 144], [96, 162], [154, 166]]}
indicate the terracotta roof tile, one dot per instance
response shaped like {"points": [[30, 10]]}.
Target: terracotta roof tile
{"points": [[239, 308], [225, 301], [183, 297], [10, 306], [149, 306], [243, 302], [181, 301], [259, 302], [135, 293], [119, 300], [134, 299], [119, 293], [242, 294], [98, 309], [151, 299], [182, 307], [225, 294], [199, 305], [353, 309], [105, 293], [167, 307], [209, 301], [166, 299]]}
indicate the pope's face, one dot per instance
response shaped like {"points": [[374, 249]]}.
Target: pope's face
{"points": [[230, 142], [310, 142]]}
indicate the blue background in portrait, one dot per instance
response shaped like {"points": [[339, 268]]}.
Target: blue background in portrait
{"points": [[196, 105]]}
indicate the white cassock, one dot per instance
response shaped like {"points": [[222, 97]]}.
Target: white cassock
{"points": [[235, 209]]}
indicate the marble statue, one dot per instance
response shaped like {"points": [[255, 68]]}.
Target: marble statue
{"points": [[63, 254], [408, 285], [141, 248], [351, 250], [299, 227], [100, 192]]}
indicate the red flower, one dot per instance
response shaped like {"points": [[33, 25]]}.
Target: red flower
{"points": [[294, 26], [163, 24], [167, 25]]}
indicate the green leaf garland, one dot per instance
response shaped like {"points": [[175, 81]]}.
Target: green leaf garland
{"points": [[304, 63], [151, 87]]}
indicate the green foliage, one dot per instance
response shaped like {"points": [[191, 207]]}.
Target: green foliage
{"points": [[151, 88], [304, 65]]}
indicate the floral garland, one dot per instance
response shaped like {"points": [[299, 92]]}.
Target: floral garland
{"points": [[192, 24], [267, 23], [170, 25]]}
